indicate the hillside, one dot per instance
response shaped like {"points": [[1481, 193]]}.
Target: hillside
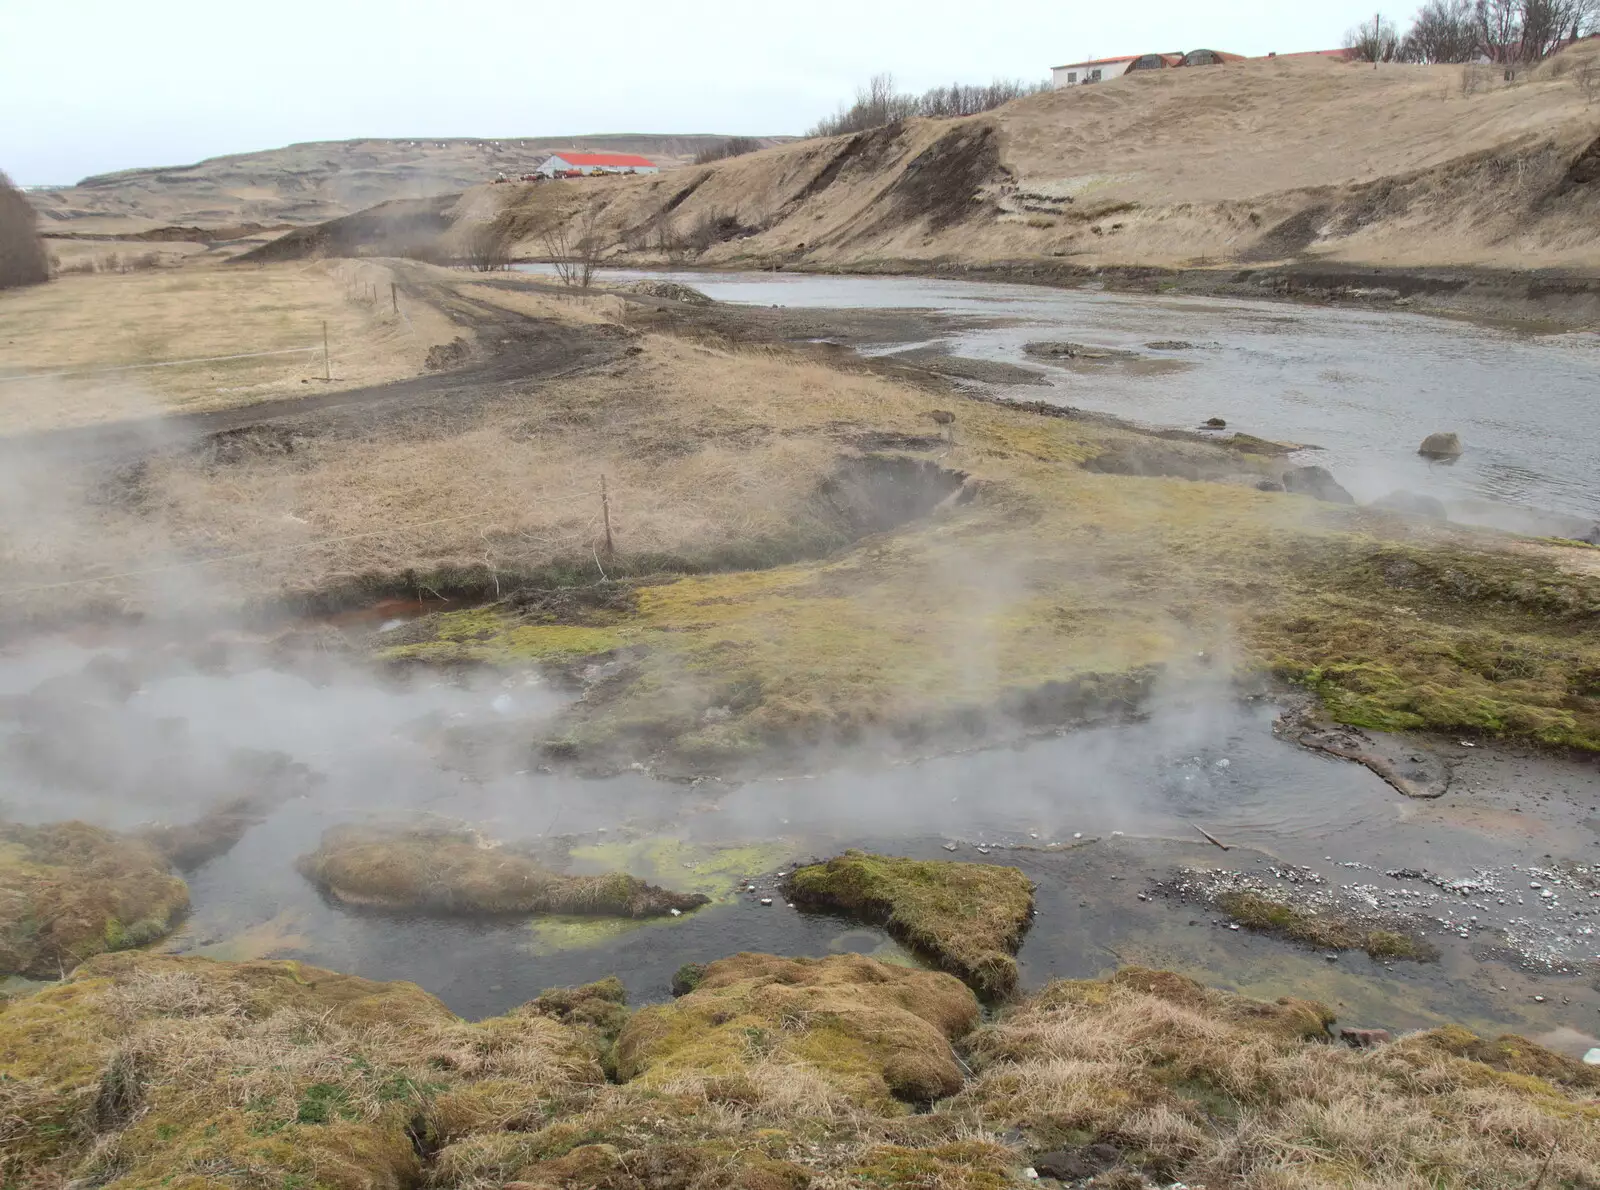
{"points": [[307, 183], [1257, 162]]}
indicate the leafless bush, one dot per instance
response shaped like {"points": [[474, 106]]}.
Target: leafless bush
{"points": [[1374, 40], [734, 146], [1442, 31], [22, 255], [878, 103], [669, 242], [711, 228], [574, 248], [488, 247]]}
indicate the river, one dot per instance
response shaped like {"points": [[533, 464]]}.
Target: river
{"points": [[1363, 386]]}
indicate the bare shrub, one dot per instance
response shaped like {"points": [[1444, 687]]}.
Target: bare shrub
{"points": [[1374, 40], [1442, 31], [669, 242], [22, 255], [734, 146], [713, 227], [488, 247], [574, 248], [878, 103]]}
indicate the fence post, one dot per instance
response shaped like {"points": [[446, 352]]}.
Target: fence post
{"points": [[605, 512], [394, 296], [327, 368]]}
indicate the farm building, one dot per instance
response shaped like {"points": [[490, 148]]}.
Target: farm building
{"points": [[1098, 70], [569, 164]]}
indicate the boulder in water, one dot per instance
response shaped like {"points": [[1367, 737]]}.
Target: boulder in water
{"points": [[1215, 423], [1440, 446], [1413, 504], [1317, 482]]}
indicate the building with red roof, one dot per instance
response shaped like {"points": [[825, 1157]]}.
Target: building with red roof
{"points": [[574, 162]]}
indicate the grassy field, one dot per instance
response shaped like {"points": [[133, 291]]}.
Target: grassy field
{"points": [[93, 323]]}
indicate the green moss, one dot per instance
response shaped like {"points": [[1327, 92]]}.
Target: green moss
{"points": [[965, 1165], [969, 918], [717, 872], [1326, 931]]}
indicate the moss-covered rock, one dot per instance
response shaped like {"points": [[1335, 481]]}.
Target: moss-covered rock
{"points": [[969, 918], [69, 891], [877, 1033], [1327, 931], [453, 872]]}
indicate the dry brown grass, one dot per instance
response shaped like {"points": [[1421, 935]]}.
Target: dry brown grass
{"points": [[1203, 1086], [83, 323]]}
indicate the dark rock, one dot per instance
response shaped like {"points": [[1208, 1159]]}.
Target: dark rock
{"points": [[1072, 1164], [1362, 1039], [1440, 446], [1413, 504], [1216, 423], [1170, 345], [687, 977], [1592, 537], [1317, 482], [1269, 485]]}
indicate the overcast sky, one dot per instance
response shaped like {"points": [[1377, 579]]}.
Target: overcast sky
{"points": [[98, 85]]}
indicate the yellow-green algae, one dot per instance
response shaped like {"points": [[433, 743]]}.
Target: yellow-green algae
{"points": [[969, 918]]}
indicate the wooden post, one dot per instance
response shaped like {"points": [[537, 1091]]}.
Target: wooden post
{"points": [[327, 368], [605, 512], [394, 296]]}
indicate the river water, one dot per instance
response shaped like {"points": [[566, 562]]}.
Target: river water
{"points": [[1364, 386]]}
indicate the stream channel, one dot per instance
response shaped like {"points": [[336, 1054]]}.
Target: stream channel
{"points": [[1501, 874]]}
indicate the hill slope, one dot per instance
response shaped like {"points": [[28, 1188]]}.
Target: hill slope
{"points": [[308, 183], [1256, 162]]}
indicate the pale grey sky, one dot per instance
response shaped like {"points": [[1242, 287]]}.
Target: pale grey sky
{"points": [[98, 85]]}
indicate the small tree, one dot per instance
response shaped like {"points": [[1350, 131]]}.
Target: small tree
{"points": [[1374, 40], [23, 260], [574, 247], [1443, 31], [734, 146]]}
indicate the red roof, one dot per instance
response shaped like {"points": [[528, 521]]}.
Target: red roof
{"points": [[625, 160], [1100, 61]]}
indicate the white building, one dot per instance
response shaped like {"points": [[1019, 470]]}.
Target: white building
{"points": [[597, 163], [1097, 70]]}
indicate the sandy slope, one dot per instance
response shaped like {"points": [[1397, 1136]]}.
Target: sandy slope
{"points": [[307, 183], [1255, 162]]}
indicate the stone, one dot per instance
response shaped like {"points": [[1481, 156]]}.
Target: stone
{"points": [[1413, 504], [1072, 1164], [1269, 485], [1363, 1039], [1317, 482], [1440, 446], [1216, 423]]}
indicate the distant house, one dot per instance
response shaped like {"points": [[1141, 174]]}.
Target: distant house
{"points": [[1099, 70], [569, 164]]}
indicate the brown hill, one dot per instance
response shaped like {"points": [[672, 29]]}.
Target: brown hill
{"points": [[312, 182], [1254, 162]]}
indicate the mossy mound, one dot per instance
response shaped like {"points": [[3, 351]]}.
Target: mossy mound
{"points": [[453, 872], [969, 918], [69, 891], [876, 1033], [1512, 1055], [146, 1070], [1326, 931]]}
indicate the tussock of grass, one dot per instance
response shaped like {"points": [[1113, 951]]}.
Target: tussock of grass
{"points": [[774, 1074], [453, 872], [968, 917], [1328, 932], [69, 891], [876, 1033]]}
